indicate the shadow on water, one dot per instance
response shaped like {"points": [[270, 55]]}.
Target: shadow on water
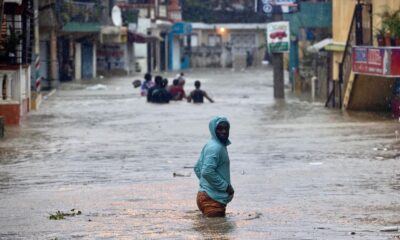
{"points": [[212, 228]]}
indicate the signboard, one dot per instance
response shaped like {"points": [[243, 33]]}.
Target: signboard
{"points": [[378, 61], [369, 61], [182, 28], [276, 6], [395, 62], [278, 37]]}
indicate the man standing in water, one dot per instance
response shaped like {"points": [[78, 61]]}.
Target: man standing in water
{"points": [[212, 169], [198, 95]]}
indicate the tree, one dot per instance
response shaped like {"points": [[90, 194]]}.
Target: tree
{"points": [[221, 11]]}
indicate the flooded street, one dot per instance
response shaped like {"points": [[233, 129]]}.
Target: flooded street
{"points": [[300, 170]]}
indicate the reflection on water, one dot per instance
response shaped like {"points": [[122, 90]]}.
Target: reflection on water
{"points": [[113, 156], [213, 228]]}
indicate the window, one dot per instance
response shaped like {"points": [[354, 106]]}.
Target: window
{"points": [[214, 40], [194, 41]]}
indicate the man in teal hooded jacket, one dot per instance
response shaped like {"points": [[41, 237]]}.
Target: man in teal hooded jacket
{"points": [[212, 169]]}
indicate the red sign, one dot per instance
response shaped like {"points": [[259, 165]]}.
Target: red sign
{"points": [[395, 62], [369, 60], [379, 61]]}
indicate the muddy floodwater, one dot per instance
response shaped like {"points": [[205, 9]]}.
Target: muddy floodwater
{"points": [[300, 170]]}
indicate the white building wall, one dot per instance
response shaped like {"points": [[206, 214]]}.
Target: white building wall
{"points": [[94, 61], [176, 61], [78, 61], [140, 49]]}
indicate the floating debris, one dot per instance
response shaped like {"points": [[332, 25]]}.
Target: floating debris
{"points": [[61, 215], [97, 87], [181, 174], [252, 216], [390, 229], [315, 163]]}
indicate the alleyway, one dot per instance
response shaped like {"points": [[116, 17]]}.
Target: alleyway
{"points": [[300, 171]]}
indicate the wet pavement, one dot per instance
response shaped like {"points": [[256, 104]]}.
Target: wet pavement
{"points": [[300, 171]]}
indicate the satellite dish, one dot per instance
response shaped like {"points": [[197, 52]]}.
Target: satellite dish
{"points": [[116, 16]]}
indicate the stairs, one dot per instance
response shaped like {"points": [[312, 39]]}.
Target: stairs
{"points": [[347, 94]]}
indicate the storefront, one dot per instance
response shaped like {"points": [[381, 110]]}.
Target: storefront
{"points": [[380, 64], [179, 46]]}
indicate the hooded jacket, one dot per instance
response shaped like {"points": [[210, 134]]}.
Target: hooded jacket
{"points": [[212, 167]]}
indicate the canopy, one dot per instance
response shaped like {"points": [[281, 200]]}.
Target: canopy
{"points": [[141, 37]]}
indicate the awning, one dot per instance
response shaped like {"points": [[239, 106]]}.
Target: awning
{"points": [[327, 44], [13, 1], [81, 27], [110, 30], [336, 47], [141, 37]]}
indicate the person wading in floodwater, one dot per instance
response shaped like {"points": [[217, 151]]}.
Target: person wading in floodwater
{"points": [[212, 169], [198, 95]]}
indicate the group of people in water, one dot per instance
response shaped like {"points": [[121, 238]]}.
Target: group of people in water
{"points": [[158, 91]]}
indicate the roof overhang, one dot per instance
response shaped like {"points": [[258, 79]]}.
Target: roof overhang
{"points": [[229, 26], [138, 37], [19, 2], [326, 44], [163, 24], [81, 27]]}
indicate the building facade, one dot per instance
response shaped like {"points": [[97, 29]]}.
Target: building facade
{"points": [[16, 44]]}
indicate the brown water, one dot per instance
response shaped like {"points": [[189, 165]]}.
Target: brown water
{"points": [[300, 171]]}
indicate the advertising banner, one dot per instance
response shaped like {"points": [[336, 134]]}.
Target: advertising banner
{"points": [[369, 61], [276, 6], [378, 61], [395, 62], [278, 37]]}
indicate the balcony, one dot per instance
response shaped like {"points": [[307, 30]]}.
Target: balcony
{"points": [[82, 12], [16, 33]]}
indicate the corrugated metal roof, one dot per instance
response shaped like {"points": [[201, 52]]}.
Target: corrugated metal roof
{"points": [[81, 27]]}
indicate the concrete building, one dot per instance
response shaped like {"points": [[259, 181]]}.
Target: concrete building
{"points": [[150, 31], [359, 91], [225, 45], [16, 21]]}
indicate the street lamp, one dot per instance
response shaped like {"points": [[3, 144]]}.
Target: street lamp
{"points": [[221, 30]]}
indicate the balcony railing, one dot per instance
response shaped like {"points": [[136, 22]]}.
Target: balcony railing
{"points": [[17, 35]]}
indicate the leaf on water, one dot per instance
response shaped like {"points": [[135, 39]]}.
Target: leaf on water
{"points": [[61, 215]]}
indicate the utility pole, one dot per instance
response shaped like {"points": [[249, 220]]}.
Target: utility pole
{"points": [[277, 61]]}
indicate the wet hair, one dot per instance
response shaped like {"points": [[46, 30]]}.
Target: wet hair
{"points": [[197, 84], [159, 80], [147, 77], [165, 82], [175, 82]]}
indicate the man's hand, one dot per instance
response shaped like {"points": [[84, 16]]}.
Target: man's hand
{"points": [[230, 190]]}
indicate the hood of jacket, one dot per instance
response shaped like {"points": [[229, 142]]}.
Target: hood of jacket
{"points": [[212, 126]]}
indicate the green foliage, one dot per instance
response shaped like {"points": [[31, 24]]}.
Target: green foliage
{"points": [[12, 40], [213, 11], [380, 32], [61, 215], [391, 21], [71, 11], [130, 16]]}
